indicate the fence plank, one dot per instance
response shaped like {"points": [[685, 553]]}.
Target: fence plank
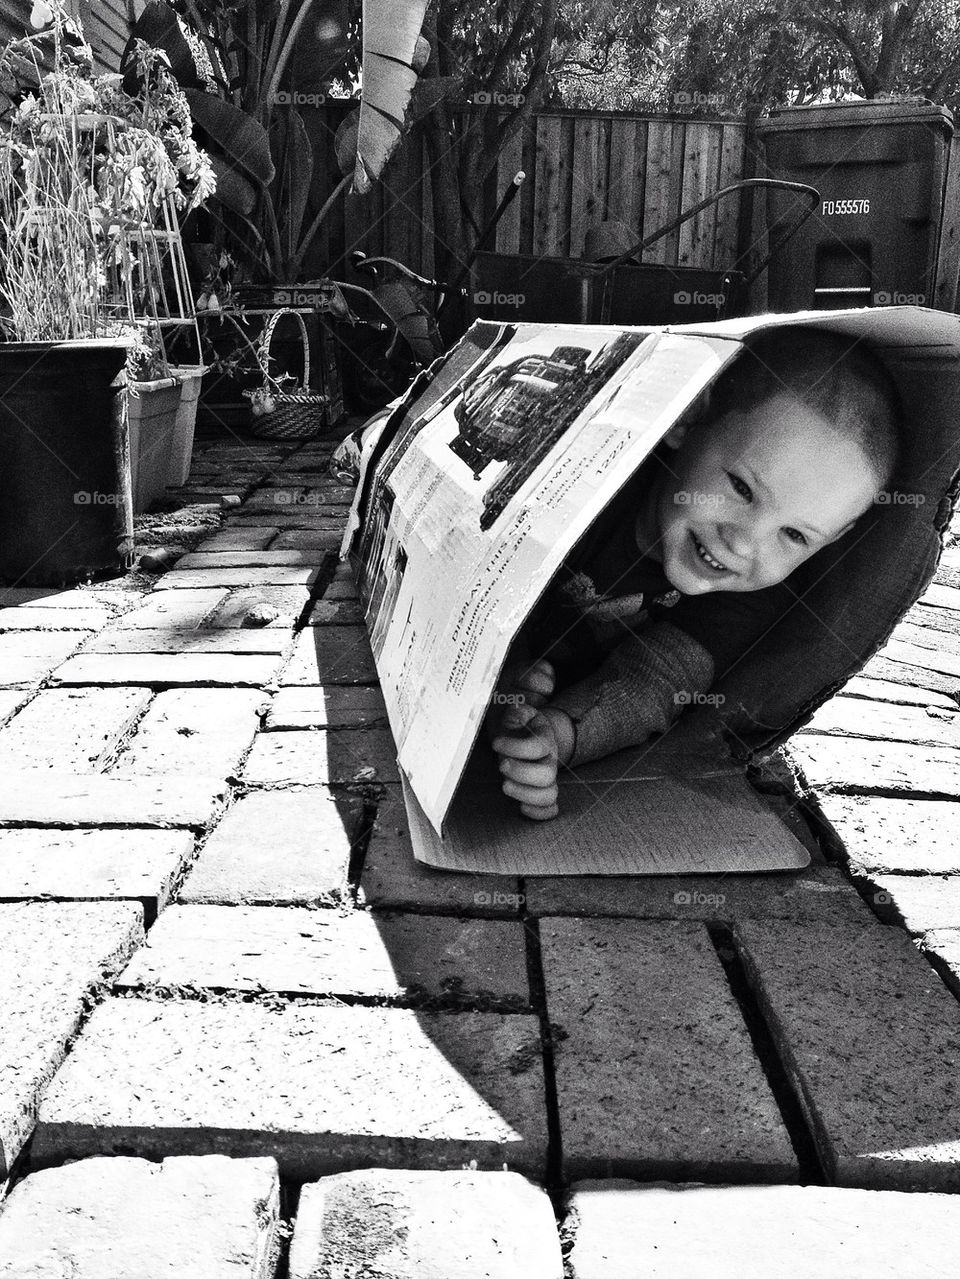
{"points": [[549, 227], [628, 147], [589, 185], [663, 190], [728, 210], [509, 161], [700, 164]]}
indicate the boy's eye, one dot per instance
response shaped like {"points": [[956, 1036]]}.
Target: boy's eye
{"points": [[743, 488]]}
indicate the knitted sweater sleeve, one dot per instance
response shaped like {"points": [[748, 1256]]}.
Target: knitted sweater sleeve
{"points": [[641, 687]]}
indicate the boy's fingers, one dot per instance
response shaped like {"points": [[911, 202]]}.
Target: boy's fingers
{"points": [[517, 716], [535, 746], [539, 814], [534, 796], [530, 772]]}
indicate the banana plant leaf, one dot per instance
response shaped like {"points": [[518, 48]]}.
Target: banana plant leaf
{"points": [[392, 48], [291, 187], [233, 132], [158, 26]]}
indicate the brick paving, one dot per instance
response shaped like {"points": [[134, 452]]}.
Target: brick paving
{"points": [[243, 1031]]}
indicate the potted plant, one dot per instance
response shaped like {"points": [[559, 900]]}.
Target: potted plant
{"points": [[81, 168], [238, 65]]}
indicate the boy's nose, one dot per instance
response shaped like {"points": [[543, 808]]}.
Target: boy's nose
{"points": [[736, 540]]}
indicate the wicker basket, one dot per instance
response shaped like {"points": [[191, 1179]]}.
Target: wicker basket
{"points": [[296, 415]]}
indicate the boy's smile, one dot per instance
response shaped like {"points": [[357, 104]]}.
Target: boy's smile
{"points": [[752, 495]]}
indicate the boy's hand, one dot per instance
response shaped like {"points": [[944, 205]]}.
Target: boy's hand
{"points": [[531, 744], [532, 686]]}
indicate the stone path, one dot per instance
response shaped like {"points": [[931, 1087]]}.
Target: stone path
{"points": [[243, 1032]]}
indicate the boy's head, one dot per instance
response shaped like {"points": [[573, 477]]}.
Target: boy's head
{"points": [[800, 434]]}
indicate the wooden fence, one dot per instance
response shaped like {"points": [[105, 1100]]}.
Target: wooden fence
{"points": [[581, 169]]}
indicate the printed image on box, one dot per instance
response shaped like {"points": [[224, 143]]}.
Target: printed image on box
{"points": [[476, 488]]}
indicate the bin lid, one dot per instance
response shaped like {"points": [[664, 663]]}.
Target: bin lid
{"points": [[856, 112]]}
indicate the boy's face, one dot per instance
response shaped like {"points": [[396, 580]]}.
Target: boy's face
{"points": [[760, 491]]}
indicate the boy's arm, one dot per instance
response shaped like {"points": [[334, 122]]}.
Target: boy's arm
{"points": [[640, 688]]}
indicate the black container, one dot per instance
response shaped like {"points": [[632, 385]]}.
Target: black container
{"points": [[880, 168], [66, 512], [524, 287]]}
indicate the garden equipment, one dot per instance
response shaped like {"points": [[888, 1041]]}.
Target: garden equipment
{"points": [[281, 412]]}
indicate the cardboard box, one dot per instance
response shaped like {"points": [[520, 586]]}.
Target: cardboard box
{"points": [[476, 488]]}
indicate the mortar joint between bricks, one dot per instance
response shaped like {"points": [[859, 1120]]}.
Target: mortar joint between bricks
{"points": [[538, 1002], [792, 1107]]}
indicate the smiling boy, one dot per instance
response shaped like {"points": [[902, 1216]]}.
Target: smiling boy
{"points": [[688, 567]]}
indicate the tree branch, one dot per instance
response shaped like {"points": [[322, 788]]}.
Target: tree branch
{"points": [[842, 33]]}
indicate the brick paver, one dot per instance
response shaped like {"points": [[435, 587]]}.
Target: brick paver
{"points": [[25, 618], [853, 763], [320, 1088], [315, 540], [425, 1225], [281, 575], [193, 640], [325, 952], [918, 902], [885, 721], [284, 847], [331, 655], [392, 879], [239, 539], [819, 893], [243, 670], [44, 797], [263, 607], [174, 609], [245, 559], [52, 955], [621, 1229], [339, 755], [27, 657], [339, 706], [942, 948], [655, 1069], [75, 730], [121, 1218], [74, 864], [193, 730], [871, 1039], [894, 835]]}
